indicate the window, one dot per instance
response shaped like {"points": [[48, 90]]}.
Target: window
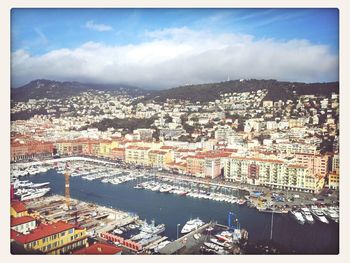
{"points": [[63, 233]]}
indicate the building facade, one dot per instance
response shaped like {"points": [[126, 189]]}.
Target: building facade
{"points": [[273, 173], [55, 238]]}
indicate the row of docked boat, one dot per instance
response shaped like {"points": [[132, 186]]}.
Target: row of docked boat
{"points": [[108, 173], [149, 233], [222, 242], [26, 190], [17, 171], [322, 214], [184, 191]]}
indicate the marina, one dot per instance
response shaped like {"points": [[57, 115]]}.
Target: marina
{"points": [[158, 202]]}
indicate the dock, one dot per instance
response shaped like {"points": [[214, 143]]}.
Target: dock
{"points": [[180, 243], [93, 217]]}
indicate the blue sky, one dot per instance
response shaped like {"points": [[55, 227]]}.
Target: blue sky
{"points": [[40, 34]]}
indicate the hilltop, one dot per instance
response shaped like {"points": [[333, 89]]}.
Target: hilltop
{"points": [[277, 90], [43, 88]]}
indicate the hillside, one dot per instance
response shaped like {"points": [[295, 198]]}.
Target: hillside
{"points": [[42, 88], [276, 90]]}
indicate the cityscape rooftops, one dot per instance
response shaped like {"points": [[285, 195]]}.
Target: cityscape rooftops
{"points": [[18, 206], [43, 231], [21, 220], [99, 249]]}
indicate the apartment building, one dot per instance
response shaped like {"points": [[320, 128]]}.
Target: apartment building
{"points": [[55, 238], [280, 174], [137, 155], [158, 158]]}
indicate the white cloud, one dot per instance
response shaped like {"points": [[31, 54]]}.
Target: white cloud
{"points": [[97, 27], [177, 56]]}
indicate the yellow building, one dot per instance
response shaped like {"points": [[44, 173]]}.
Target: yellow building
{"points": [[333, 179], [55, 238], [105, 148], [196, 165], [159, 158], [137, 155], [18, 209]]}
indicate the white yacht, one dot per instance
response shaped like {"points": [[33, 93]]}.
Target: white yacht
{"points": [[307, 215], [298, 216], [191, 225], [332, 214], [319, 215], [36, 194]]}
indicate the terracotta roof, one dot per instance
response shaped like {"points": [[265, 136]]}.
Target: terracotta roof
{"points": [[119, 149], [257, 159], [18, 206], [14, 233], [99, 249], [21, 220], [311, 154], [43, 231], [185, 150], [158, 152], [134, 147], [167, 147]]}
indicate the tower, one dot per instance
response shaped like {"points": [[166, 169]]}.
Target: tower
{"points": [[67, 192]]}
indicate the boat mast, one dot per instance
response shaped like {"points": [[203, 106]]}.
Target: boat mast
{"points": [[271, 225]]}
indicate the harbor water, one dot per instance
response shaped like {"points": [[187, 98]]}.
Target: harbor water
{"points": [[171, 210]]}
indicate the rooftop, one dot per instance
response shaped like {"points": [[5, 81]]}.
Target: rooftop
{"points": [[21, 220], [18, 206], [43, 231], [99, 249]]}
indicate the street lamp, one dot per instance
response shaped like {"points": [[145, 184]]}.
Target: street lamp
{"points": [[177, 231]]}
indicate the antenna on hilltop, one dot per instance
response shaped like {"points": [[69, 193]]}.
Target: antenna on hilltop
{"points": [[228, 77]]}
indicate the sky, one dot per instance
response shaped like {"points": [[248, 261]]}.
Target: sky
{"points": [[164, 48]]}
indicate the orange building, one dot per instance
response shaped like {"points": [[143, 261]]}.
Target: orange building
{"points": [[316, 163], [30, 149], [118, 153]]}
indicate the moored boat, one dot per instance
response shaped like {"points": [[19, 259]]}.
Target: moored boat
{"points": [[307, 215], [191, 225], [298, 216]]}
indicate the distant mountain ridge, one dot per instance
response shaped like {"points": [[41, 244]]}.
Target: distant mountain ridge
{"points": [[277, 90], [43, 88]]}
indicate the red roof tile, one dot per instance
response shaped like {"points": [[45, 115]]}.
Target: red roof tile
{"points": [[99, 249], [21, 220], [44, 231], [14, 233], [18, 206], [158, 152], [134, 147], [166, 147]]}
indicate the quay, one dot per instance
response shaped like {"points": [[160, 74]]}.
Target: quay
{"points": [[62, 160], [96, 219], [262, 204], [189, 245]]}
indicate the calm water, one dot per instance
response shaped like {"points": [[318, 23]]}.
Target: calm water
{"points": [[173, 209]]}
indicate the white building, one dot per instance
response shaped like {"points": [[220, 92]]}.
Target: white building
{"points": [[23, 224]]}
